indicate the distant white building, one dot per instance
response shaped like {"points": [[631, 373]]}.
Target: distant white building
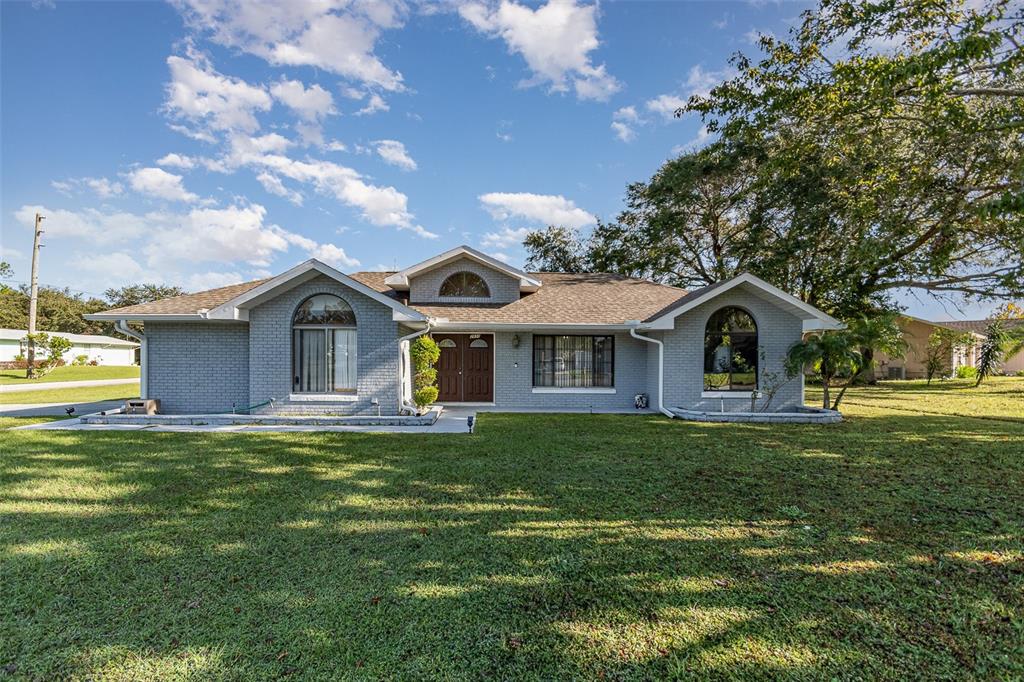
{"points": [[105, 350]]}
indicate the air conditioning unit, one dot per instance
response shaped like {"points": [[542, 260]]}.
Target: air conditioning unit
{"points": [[897, 372], [149, 406]]}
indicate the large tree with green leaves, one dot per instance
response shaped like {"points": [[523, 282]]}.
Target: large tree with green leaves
{"points": [[879, 147]]}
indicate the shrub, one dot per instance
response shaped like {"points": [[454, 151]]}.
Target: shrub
{"points": [[80, 360], [423, 353], [966, 372]]}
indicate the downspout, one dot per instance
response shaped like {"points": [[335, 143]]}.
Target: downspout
{"points": [[661, 370], [122, 326], [403, 369]]}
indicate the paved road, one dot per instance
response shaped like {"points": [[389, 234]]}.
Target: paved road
{"points": [[59, 409], [17, 388]]}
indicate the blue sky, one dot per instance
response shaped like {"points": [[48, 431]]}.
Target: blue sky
{"points": [[205, 142]]}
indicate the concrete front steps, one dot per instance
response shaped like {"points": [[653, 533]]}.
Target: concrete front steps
{"points": [[803, 415], [426, 419]]}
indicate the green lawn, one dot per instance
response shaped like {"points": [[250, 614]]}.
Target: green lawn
{"points": [[83, 394], [999, 397], [70, 373], [541, 547]]}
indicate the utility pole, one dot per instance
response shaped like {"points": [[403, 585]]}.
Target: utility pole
{"points": [[33, 301]]}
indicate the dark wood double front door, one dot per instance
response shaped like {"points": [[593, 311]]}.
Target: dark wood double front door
{"points": [[465, 371]]}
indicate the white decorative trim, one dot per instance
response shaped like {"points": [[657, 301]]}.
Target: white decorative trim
{"points": [[322, 397], [816, 319], [303, 272], [559, 389], [746, 395], [400, 280]]}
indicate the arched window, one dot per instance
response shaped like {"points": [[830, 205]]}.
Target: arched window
{"points": [[465, 285], [730, 351], [324, 346]]}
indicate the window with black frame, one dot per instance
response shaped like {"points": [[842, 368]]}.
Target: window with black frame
{"points": [[573, 361], [324, 356], [730, 351]]}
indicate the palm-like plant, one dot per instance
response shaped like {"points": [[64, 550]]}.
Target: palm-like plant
{"points": [[880, 332], [830, 353], [992, 350]]}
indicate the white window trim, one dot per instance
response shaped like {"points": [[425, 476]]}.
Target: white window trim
{"points": [[323, 397], [577, 389], [727, 394]]}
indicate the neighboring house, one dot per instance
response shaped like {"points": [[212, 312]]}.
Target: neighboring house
{"points": [[913, 363], [1009, 365], [105, 350], [318, 341]]}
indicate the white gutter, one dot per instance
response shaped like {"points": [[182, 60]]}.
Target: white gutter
{"points": [[122, 326], [404, 362], [661, 369]]}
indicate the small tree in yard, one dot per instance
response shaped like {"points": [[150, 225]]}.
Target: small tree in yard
{"points": [[54, 346], [992, 349], [939, 350], [423, 352], [830, 353]]}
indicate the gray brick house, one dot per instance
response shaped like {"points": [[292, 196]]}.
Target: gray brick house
{"points": [[314, 340]]}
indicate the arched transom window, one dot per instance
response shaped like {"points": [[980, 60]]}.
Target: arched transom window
{"points": [[324, 346], [465, 285], [730, 351]]}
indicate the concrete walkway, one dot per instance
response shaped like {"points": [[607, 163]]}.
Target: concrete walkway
{"points": [[450, 421], [18, 388]]}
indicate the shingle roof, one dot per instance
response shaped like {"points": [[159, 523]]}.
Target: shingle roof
{"points": [[562, 299], [188, 304], [568, 299], [979, 326]]}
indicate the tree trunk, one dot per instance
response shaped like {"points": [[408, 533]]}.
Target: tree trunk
{"points": [[824, 387]]}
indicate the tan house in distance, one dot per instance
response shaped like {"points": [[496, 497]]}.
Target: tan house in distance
{"points": [[912, 366]]}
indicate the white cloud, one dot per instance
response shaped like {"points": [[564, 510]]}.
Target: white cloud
{"points": [[556, 40], [174, 160], [273, 184], [373, 105], [379, 205], [698, 82], [701, 139], [157, 182], [201, 281], [498, 255], [97, 226], [311, 104], [224, 235], [334, 255], [102, 187], [543, 208], [623, 123], [118, 264], [13, 254], [200, 95], [394, 153], [666, 105], [337, 37], [506, 238], [65, 187]]}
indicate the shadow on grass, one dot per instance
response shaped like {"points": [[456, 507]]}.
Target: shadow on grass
{"points": [[540, 547]]}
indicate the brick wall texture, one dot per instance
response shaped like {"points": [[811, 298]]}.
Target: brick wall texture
{"points": [[425, 288], [208, 367]]}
